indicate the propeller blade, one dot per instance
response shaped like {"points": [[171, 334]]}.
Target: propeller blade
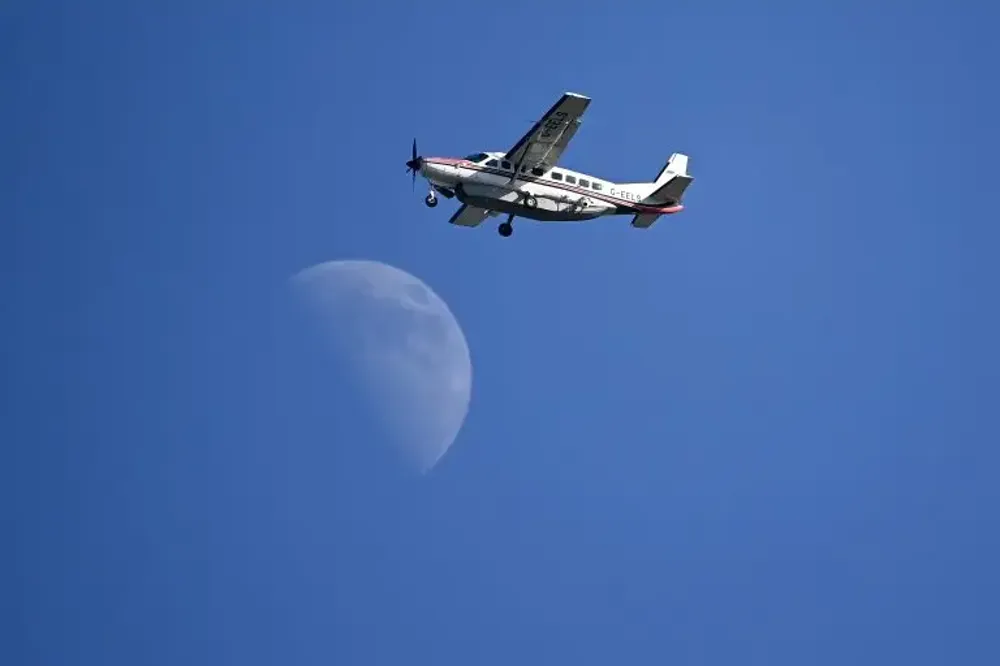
{"points": [[414, 164]]}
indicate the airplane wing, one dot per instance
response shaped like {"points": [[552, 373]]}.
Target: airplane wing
{"points": [[546, 141], [469, 216]]}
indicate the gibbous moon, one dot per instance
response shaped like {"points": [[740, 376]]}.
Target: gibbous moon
{"points": [[405, 346]]}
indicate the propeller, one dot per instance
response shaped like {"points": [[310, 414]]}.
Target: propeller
{"points": [[414, 164]]}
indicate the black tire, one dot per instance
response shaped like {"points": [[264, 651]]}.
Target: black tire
{"points": [[505, 229], [431, 201], [530, 201]]}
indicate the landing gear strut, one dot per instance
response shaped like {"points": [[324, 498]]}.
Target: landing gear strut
{"points": [[431, 199], [506, 228]]}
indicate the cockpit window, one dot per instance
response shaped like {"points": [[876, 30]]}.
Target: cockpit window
{"points": [[475, 158]]}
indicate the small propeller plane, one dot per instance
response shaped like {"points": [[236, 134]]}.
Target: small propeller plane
{"points": [[525, 181]]}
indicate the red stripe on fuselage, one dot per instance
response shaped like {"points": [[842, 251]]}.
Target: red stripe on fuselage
{"points": [[444, 161]]}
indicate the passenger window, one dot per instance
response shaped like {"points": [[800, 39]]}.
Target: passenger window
{"points": [[597, 186], [492, 163], [556, 175], [505, 165], [571, 179], [584, 183]]}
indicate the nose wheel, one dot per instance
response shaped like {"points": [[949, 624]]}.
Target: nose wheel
{"points": [[506, 228], [431, 200]]}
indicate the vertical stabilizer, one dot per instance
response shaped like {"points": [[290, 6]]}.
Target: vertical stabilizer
{"points": [[663, 195], [670, 183]]}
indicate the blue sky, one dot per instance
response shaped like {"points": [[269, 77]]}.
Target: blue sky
{"points": [[762, 432]]}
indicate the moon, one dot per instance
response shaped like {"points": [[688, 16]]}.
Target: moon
{"points": [[402, 343]]}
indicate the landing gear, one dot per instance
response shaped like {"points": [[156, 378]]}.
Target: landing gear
{"points": [[431, 200], [530, 201], [506, 228]]}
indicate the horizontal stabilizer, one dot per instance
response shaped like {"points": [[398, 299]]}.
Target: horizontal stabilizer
{"points": [[671, 192], [644, 220], [469, 216]]}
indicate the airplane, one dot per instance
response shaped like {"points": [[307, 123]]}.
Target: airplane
{"points": [[525, 181]]}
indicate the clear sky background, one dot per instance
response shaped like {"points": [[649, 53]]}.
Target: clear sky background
{"points": [[764, 431]]}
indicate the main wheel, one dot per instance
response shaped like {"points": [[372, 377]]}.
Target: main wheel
{"points": [[505, 229], [530, 201], [431, 201]]}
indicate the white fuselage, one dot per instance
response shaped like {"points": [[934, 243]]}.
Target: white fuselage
{"points": [[487, 181]]}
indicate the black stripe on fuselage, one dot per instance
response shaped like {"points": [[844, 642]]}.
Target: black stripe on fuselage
{"points": [[630, 206]]}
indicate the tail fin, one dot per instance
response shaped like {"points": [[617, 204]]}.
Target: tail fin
{"points": [[666, 191], [670, 183]]}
